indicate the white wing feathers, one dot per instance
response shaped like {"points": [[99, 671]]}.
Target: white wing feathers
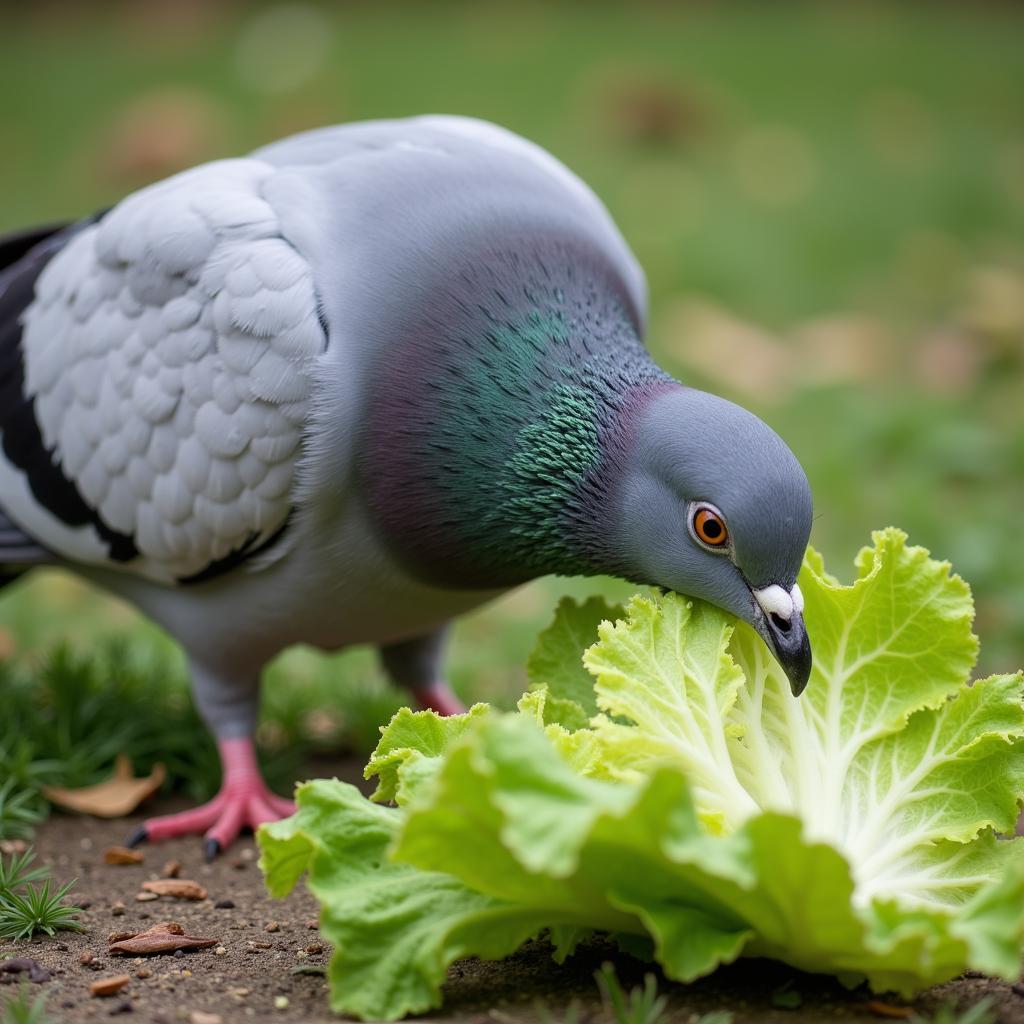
{"points": [[169, 352]]}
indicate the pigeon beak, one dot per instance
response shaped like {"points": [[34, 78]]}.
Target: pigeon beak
{"points": [[779, 618]]}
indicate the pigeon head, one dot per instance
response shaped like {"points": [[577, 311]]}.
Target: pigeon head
{"points": [[519, 428], [713, 504]]}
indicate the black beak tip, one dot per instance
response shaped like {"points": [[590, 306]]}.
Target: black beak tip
{"points": [[796, 661]]}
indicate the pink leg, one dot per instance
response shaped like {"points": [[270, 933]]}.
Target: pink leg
{"points": [[439, 697], [243, 801]]}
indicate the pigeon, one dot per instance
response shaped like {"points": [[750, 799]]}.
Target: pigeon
{"points": [[351, 386]]}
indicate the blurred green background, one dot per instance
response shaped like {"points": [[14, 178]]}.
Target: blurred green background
{"points": [[828, 200]]}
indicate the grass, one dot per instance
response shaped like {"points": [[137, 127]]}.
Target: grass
{"points": [[17, 872], [19, 810], [826, 198]]}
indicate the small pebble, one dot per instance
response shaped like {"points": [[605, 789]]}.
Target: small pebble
{"points": [[109, 986], [118, 909], [201, 1017], [172, 869], [313, 925], [314, 948], [280, 1002], [179, 954], [122, 1007], [144, 972], [271, 926], [85, 957], [238, 864], [224, 905], [220, 951], [146, 897]]}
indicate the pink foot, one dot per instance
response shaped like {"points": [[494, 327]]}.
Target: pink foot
{"points": [[438, 697], [244, 801]]}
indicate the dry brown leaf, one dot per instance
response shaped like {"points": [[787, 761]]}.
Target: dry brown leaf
{"points": [[179, 888], [109, 986], [122, 855], [161, 938], [115, 798]]}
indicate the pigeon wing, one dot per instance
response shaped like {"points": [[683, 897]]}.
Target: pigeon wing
{"points": [[166, 356]]}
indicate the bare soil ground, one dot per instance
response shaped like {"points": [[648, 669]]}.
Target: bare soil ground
{"points": [[270, 949]]}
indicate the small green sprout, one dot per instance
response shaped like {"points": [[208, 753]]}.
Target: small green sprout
{"points": [[26, 907], [23, 1009], [980, 1013], [643, 1006], [572, 1014]]}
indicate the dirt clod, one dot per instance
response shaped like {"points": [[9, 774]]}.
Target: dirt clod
{"points": [[179, 888], [271, 926], [172, 869], [104, 987], [224, 905], [118, 908], [85, 958], [32, 969]]}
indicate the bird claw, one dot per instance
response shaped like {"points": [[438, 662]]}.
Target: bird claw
{"points": [[137, 838], [244, 803]]}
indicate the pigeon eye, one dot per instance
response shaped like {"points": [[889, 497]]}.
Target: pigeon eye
{"points": [[709, 527]]}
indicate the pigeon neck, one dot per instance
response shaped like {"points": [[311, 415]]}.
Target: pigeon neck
{"points": [[500, 464]]}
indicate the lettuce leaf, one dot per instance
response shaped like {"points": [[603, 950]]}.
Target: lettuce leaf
{"points": [[688, 800]]}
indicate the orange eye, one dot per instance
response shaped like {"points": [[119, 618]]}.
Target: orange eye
{"points": [[709, 527]]}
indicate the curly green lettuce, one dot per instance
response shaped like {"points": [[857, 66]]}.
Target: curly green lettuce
{"points": [[665, 787]]}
